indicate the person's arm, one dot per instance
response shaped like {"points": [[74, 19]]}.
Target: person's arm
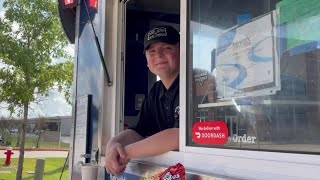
{"points": [[125, 137], [159, 143], [115, 150]]}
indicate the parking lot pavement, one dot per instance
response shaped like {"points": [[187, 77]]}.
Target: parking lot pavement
{"points": [[37, 154]]}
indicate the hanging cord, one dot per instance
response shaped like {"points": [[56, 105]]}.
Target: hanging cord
{"points": [[65, 163], [98, 45]]}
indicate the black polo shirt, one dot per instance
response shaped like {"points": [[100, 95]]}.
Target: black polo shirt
{"points": [[160, 110]]}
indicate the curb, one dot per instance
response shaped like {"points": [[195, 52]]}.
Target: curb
{"points": [[35, 149]]}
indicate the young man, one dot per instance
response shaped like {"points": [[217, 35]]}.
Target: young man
{"points": [[157, 129]]}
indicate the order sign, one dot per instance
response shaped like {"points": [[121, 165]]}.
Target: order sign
{"points": [[214, 133]]}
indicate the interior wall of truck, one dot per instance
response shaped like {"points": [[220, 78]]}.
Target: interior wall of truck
{"points": [[141, 15]]}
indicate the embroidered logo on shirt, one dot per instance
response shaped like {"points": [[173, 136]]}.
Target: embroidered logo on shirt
{"points": [[177, 113]]}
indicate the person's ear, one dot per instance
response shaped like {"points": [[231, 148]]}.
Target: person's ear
{"points": [[147, 63]]}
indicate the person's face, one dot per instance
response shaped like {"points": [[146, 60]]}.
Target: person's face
{"points": [[163, 59]]}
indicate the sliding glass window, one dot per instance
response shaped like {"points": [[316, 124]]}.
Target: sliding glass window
{"points": [[254, 75]]}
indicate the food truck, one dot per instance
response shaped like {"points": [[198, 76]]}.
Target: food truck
{"points": [[249, 85]]}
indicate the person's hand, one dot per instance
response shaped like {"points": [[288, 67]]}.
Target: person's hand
{"points": [[114, 154], [123, 160]]}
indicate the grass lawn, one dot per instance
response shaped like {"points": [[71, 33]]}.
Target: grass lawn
{"points": [[52, 169]]}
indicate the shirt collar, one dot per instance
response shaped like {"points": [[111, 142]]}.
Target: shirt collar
{"points": [[172, 89]]}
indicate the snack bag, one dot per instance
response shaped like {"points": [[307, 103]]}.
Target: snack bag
{"points": [[177, 172]]}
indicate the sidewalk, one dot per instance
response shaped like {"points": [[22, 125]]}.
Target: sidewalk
{"points": [[37, 154]]}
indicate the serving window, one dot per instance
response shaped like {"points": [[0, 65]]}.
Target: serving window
{"points": [[254, 69]]}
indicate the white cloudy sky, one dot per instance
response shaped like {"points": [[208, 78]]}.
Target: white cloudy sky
{"points": [[54, 105]]}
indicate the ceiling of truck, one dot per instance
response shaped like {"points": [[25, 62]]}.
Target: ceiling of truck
{"points": [[163, 6], [173, 6]]}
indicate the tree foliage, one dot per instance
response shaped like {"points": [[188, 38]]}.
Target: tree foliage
{"points": [[31, 38]]}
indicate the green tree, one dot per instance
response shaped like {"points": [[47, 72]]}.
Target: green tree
{"points": [[31, 37], [41, 127], [6, 124]]}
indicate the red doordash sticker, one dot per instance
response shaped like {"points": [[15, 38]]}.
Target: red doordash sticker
{"points": [[213, 133]]}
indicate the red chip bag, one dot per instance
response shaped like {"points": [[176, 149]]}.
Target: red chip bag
{"points": [[177, 172]]}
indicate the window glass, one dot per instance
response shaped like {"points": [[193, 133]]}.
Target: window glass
{"points": [[254, 67]]}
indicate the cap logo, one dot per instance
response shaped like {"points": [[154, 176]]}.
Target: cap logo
{"points": [[157, 32]]}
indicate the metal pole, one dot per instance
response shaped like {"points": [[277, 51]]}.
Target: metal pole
{"points": [[65, 164]]}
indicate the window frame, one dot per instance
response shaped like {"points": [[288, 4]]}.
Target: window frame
{"points": [[246, 164], [231, 162]]}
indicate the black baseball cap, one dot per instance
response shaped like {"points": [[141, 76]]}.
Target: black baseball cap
{"points": [[166, 34]]}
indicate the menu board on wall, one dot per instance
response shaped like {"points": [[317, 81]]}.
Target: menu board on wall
{"points": [[247, 61], [81, 128]]}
